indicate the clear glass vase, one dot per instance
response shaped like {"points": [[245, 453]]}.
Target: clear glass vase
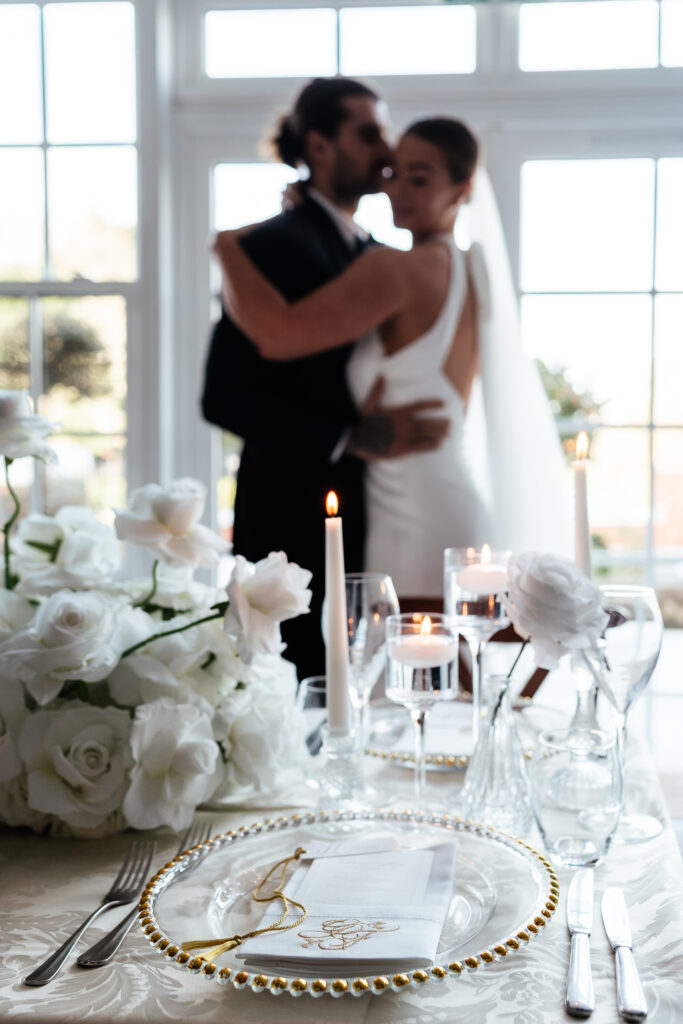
{"points": [[496, 788]]}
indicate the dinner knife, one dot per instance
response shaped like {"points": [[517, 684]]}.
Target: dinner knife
{"points": [[630, 996], [580, 1000]]}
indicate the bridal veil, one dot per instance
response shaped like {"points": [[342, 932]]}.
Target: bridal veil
{"points": [[510, 427]]}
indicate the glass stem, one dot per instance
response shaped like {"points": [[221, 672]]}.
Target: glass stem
{"points": [[476, 646], [621, 748], [419, 717]]}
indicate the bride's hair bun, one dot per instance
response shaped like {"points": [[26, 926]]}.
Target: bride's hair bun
{"points": [[457, 143], [318, 107]]}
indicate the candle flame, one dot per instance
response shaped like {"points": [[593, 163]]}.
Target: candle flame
{"points": [[426, 626], [332, 504], [485, 554], [582, 445]]}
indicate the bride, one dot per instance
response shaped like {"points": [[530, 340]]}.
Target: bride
{"points": [[437, 323]]}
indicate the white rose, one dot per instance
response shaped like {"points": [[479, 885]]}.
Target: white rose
{"points": [[21, 432], [73, 636], [15, 613], [177, 765], [197, 666], [76, 762], [166, 520], [175, 589], [15, 809], [71, 549], [553, 603], [261, 597], [262, 734]]}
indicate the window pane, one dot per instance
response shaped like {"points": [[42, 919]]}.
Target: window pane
{"points": [[90, 72], [267, 44], [599, 346], [92, 213], [587, 225], [668, 360], [668, 459], [581, 36], [669, 271], [22, 248], [619, 489], [91, 471], [14, 351], [247, 193], [20, 74], [672, 33], [85, 364], [407, 40]]}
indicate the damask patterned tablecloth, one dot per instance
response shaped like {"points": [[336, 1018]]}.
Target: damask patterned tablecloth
{"points": [[49, 884]]}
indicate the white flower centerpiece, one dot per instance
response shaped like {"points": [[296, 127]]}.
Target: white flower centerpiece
{"points": [[128, 703]]}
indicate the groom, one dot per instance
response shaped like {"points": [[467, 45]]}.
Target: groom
{"points": [[303, 435]]}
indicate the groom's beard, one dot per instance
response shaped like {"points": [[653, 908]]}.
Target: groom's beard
{"points": [[349, 185]]}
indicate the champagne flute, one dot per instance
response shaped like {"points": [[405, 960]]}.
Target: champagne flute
{"points": [[623, 664], [422, 669], [370, 600]]}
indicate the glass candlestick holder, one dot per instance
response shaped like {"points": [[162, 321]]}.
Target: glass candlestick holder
{"points": [[473, 584], [422, 670]]}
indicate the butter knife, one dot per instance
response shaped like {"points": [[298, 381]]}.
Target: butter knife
{"points": [[630, 996], [580, 1000]]}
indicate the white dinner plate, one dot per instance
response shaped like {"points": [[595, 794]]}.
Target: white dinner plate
{"points": [[504, 894]]}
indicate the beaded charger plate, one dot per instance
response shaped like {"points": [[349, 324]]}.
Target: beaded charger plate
{"points": [[448, 733], [504, 895]]}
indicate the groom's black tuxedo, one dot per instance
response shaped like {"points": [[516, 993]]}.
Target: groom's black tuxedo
{"points": [[291, 416]]}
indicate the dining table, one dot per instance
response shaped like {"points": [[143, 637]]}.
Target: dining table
{"points": [[49, 884]]}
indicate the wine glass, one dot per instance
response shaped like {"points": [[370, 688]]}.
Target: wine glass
{"points": [[422, 669], [622, 665], [370, 600], [473, 581]]}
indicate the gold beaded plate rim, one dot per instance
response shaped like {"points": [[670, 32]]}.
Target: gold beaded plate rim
{"points": [[449, 761], [418, 979]]}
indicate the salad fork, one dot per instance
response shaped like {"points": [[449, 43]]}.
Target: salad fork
{"points": [[126, 887], [104, 950]]}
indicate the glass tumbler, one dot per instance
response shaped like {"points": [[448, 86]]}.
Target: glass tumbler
{"points": [[577, 794]]}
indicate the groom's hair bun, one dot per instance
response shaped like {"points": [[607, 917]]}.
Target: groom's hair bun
{"points": [[318, 107], [457, 143]]}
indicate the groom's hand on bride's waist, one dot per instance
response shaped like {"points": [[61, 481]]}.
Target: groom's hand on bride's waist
{"points": [[389, 431]]}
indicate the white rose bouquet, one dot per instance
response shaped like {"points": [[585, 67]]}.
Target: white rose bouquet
{"points": [[127, 703]]}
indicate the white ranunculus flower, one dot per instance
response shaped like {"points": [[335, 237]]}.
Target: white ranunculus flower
{"points": [[261, 597], [70, 549], [553, 603], [15, 613], [177, 765], [263, 737], [76, 762], [74, 635], [21, 432], [166, 520]]}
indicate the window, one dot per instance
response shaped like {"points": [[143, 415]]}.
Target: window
{"points": [[68, 238], [602, 282]]}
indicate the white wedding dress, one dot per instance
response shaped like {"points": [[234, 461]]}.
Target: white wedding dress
{"points": [[420, 504], [500, 477]]}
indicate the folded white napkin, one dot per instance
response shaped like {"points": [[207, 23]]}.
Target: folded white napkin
{"points": [[373, 907]]}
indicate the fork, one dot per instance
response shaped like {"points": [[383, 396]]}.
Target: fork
{"points": [[104, 950], [126, 887]]}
